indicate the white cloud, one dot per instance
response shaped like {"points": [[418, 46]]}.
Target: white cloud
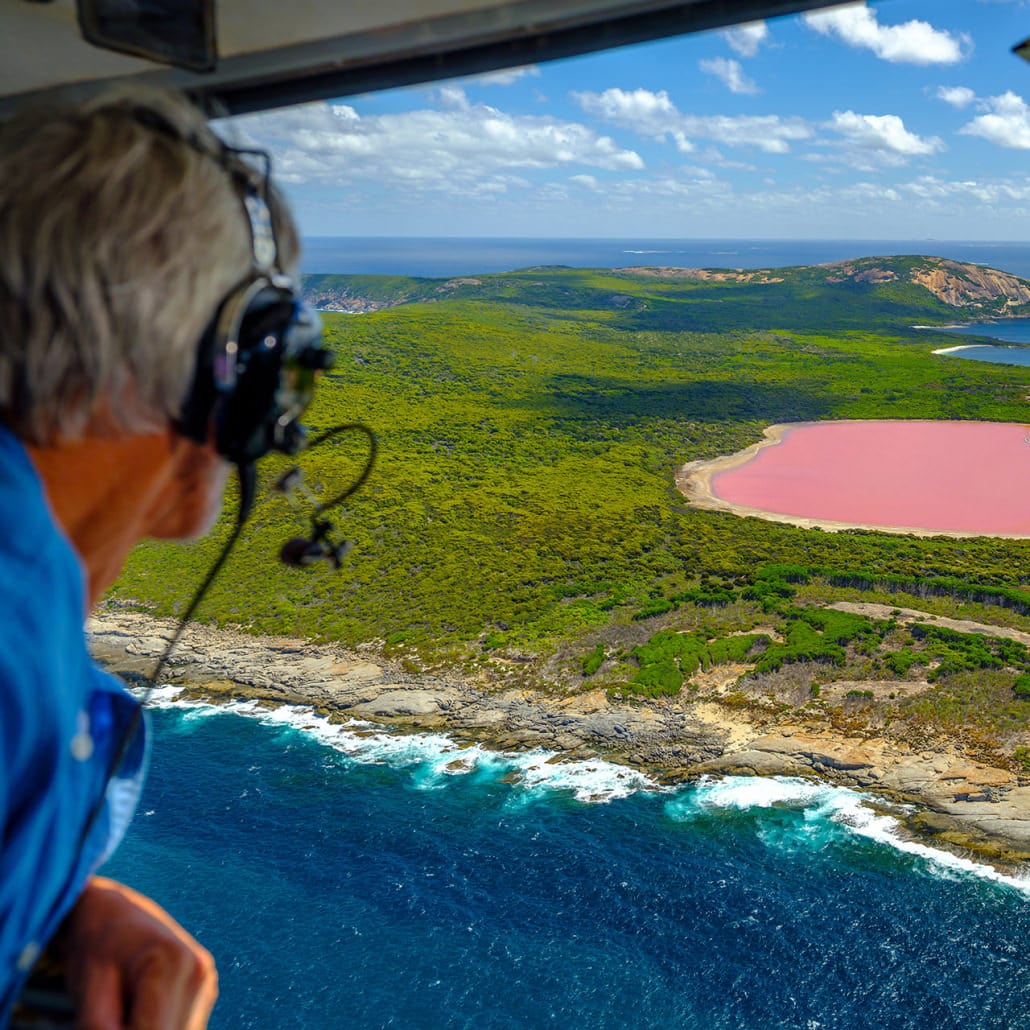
{"points": [[683, 145], [884, 135], [507, 76], [695, 187], [746, 39], [454, 96], [914, 42], [713, 157], [730, 73], [1007, 124], [957, 96], [590, 181], [654, 114], [992, 192], [465, 148], [650, 114]]}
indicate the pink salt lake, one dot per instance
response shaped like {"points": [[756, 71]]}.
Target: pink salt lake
{"points": [[959, 477]]}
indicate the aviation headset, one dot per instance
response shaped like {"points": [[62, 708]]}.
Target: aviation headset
{"points": [[256, 362]]}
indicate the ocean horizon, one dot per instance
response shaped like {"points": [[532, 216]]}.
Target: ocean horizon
{"points": [[452, 256]]}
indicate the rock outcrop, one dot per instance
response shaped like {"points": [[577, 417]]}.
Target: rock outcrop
{"points": [[963, 802]]}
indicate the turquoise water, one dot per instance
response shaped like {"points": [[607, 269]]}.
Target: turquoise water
{"points": [[347, 877]]}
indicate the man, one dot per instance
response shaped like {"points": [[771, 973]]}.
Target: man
{"points": [[126, 232]]}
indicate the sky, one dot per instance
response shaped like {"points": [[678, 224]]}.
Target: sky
{"points": [[900, 120]]}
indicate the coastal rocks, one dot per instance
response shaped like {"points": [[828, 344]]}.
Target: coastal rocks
{"points": [[964, 285], [964, 802], [753, 763], [401, 703]]}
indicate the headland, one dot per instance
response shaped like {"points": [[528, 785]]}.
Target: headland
{"points": [[943, 790]]}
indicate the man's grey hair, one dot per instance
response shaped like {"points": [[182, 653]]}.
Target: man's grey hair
{"points": [[118, 240]]}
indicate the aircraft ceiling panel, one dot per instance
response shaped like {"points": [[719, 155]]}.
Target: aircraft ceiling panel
{"points": [[270, 54]]}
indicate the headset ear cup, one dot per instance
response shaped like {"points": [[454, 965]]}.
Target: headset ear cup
{"points": [[237, 372], [194, 421], [245, 413]]}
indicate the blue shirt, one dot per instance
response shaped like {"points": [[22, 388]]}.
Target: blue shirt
{"points": [[62, 721]]}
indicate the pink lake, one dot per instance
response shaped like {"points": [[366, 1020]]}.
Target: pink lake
{"points": [[964, 477]]}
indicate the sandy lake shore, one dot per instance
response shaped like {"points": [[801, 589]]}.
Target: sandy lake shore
{"points": [[942, 792], [694, 481]]}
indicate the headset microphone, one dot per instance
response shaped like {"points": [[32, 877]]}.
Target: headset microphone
{"points": [[320, 545], [301, 551]]}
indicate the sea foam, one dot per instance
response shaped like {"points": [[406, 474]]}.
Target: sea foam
{"points": [[434, 758], [827, 805]]}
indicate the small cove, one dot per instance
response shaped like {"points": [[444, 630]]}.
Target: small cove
{"points": [[1009, 331]]}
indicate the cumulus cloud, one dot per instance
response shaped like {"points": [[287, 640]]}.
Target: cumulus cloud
{"points": [[957, 96], [1007, 124], [746, 39], [730, 73], [884, 136], [651, 114], [655, 115], [464, 148], [913, 42]]}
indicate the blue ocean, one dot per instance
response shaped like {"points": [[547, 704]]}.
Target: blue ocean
{"points": [[450, 257], [349, 877]]}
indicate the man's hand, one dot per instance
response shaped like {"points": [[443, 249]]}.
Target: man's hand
{"points": [[130, 966]]}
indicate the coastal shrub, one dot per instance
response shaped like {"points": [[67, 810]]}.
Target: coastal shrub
{"points": [[840, 627], [1022, 687], [708, 596], [769, 589], [802, 644], [661, 678], [659, 606], [735, 649], [684, 650], [785, 573], [899, 662], [958, 652], [593, 661]]}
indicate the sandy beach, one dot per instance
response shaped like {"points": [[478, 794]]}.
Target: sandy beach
{"points": [[941, 791]]}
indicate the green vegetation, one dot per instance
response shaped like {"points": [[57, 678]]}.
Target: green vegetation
{"points": [[593, 661], [524, 503]]}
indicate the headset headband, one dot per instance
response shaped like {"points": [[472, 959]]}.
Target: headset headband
{"points": [[257, 360]]}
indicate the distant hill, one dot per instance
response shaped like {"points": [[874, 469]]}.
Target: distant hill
{"points": [[861, 292]]}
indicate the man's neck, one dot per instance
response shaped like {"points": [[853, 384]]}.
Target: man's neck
{"points": [[101, 490]]}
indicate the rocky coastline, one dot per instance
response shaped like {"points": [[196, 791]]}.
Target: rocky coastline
{"points": [[939, 792]]}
